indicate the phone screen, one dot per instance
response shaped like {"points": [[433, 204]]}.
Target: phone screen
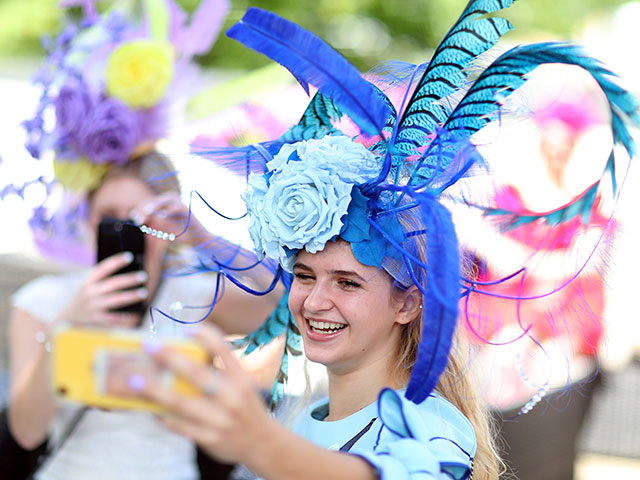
{"points": [[117, 236], [114, 369]]}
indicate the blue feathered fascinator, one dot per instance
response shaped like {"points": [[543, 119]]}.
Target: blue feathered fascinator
{"points": [[381, 186]]}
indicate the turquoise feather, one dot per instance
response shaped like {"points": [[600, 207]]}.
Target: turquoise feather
{"points": [[274, 326], [316, 122], [581, 206], [277, 324], [293, 348], [470, 36], [482, 102], [508, 72]]}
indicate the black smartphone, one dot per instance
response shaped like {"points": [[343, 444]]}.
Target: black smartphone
{"points": [[117, 236]]}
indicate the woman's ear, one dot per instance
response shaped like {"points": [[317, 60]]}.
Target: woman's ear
{"points": [[410, 303]]}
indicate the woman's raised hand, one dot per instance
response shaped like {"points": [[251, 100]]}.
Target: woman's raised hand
{"points": [[229, 419], [102, 292], [169, 214]]}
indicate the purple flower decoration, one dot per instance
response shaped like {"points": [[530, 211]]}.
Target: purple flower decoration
{"points": [[110, 133], [73, 105]]}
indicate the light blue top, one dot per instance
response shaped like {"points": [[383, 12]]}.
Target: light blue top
{"points": [[433, 440]]}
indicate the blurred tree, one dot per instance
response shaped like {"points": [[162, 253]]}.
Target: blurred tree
{"points": [[365, 31], [22, 24]]}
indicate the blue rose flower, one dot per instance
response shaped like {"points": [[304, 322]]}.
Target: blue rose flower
{"points": [[351, 161], [307, 194]]}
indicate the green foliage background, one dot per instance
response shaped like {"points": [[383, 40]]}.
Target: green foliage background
{"points": [[365, 31]]}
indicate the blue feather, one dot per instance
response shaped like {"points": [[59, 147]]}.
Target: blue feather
{"points": [[440, 298], [243, 160], [314, 62], [470, 36]]}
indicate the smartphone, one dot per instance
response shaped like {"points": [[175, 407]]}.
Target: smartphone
{"points": [[117, 236], [93, 367]]}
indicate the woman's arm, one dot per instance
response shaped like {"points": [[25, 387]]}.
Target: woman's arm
{"points": [[239, 312], [31, 403], [231, 423], [283, 455], [236, 311]]}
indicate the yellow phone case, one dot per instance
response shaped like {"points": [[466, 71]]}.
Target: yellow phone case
{"points": [[76, 350]]}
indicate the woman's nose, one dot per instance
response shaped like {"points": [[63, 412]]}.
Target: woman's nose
{"points": [[318, 299]]}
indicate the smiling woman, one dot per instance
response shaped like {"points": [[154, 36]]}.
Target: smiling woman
{"points": [[350, 202], [349, 319]]}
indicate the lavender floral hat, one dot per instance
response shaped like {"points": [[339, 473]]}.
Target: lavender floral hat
{"points": [[111, 82], [109, 86]]}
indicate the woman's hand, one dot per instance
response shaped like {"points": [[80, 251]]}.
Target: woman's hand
{"points": [[169, 214], [229, 420], [102, 292]]}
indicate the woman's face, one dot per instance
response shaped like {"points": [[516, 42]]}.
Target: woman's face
{"points": [[345, 310], [115, 198]]}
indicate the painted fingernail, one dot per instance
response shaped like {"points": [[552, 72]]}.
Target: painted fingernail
{"points": [[151, 345], [148, 208], [127, 257], [141, 276], [136, 382], [137, 217], [142, 292]]}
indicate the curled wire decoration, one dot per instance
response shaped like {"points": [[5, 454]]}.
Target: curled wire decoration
{"points": [[223, 268]]}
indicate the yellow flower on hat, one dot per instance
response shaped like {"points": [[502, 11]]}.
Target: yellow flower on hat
{"points": [[139, 72], [79, 175]]}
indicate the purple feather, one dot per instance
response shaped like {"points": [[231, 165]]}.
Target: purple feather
{"points": [[206, 23]]}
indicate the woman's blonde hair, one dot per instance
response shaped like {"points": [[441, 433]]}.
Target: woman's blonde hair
{"points": [[153, 168], [455, 385]]}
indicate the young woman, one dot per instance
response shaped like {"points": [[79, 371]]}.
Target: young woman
{"points": [[366, 331], [108, 83], [375, 261], [87, 298]]}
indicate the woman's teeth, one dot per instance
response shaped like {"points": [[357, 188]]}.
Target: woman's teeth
{"points": [[325, 327]]}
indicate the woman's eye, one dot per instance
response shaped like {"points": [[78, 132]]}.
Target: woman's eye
{"points": [[302, 276], [349, 284]]}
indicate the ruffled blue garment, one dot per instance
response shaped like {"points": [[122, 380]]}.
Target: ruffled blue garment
{"points": [[432, 440]]}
